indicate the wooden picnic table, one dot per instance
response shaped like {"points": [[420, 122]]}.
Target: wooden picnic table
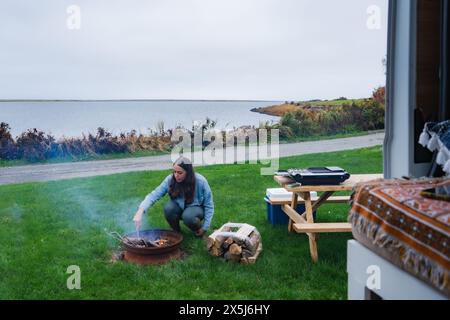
{"points": [[304, 222]]}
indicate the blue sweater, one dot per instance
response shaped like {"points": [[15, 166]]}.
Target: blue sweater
{"points": [[202, 197]]}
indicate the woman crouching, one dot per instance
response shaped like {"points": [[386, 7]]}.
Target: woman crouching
{"points": [[191, 199]]}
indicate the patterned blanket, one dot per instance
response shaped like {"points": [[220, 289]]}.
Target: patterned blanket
{"points": [[392, 218]]}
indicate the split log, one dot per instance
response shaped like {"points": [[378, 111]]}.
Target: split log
{"points": [[217, 252], [246, 253], [215, 239], [235, 249], [235, 242], [252, 259], [252, 242], [227, 243], [232, 257]]}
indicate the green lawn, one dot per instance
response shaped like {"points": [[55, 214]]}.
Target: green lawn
{"points": [[45, 227]]}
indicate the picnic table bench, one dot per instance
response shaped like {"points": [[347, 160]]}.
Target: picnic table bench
{"points": [[303, 222]]}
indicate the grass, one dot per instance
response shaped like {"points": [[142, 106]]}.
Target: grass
{"points": [[46, 227], [336, 102]]}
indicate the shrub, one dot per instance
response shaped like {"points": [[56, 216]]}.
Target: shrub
{"points": [[8, 148], [308, 122], [379, 95], [373, 116], [104, 142], [34, 145], [284, 131], [363, 116], [331, 121], [288, 120]]}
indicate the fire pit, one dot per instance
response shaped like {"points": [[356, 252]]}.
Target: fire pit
{"points": [[154, 246]]}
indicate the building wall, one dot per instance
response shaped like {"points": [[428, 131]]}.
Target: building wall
{"points": [[398, 128]]}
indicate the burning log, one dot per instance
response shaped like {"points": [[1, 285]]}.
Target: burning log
{"points": [[235, 242], [140, 242]]}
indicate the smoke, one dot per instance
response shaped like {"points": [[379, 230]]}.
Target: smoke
{"points": [[12, 213], [84, 208]]}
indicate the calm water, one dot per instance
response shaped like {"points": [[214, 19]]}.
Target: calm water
{"points": [[71, 118]]}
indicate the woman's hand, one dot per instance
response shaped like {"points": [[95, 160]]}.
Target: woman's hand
{"points": [[200, 232], [138, 218]]}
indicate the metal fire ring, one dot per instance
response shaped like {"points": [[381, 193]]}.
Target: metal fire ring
{"points": [[175, 239]]}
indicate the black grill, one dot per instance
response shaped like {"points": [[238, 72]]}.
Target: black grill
{"points": [[319, 175]]}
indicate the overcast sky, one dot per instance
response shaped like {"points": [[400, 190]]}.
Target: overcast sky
{"points": [[192, 49]]}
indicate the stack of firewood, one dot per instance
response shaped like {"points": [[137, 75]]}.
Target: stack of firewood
{"points": [[238, 242]]}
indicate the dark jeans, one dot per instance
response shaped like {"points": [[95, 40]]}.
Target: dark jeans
{"points": [[191, 216]]}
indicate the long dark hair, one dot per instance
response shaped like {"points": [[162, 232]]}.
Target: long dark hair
{"points": [[187, 186]]}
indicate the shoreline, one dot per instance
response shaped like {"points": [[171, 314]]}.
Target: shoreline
{"points": [[132, 100], [276, 110]]}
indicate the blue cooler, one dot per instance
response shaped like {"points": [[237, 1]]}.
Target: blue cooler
{"points": [[276, 216]]}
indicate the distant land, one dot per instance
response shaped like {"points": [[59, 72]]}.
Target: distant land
{"points": [[280, 109], [112, 100]]}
